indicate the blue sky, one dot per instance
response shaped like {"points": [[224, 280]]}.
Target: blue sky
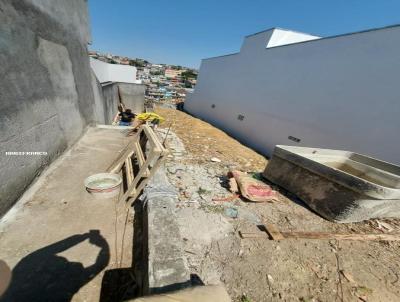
{"points": [[183, 32]]}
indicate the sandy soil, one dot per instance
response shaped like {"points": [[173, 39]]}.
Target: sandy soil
{"points": [[203, 141], [260, 269]]}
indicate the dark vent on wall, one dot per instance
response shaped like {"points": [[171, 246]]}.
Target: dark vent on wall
{"points": [[295, 139], [240, 117]]}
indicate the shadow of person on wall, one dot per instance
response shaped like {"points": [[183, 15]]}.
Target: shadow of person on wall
{"points": [[45, 276]]}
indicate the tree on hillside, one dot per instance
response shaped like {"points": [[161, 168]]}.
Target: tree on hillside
{"points": [[189, 74], [137, 63]]}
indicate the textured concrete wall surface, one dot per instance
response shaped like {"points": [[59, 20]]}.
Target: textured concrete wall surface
{"points": [[132, 96], [338, 93], [166, 267], [46, 95], [110, 100], [100, 107]]}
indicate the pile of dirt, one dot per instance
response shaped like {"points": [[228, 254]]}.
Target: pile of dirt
{"points": [[204, 142]]}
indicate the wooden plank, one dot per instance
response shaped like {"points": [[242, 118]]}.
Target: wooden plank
{"points": [[139, 154], [129, 190], [326, 236], [119, 161], [144, 167], [149, 137], [129, 170], [153, 139], [246, 235], [156, 156], [132, 191], [144, 182], [273, 231], [139, 188], [141, 159], [364, 237]]}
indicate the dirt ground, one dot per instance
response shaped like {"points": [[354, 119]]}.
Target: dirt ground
{"points": [[260, 269], [203, 141]]}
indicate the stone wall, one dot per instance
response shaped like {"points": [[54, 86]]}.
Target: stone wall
{"points": [[46, 95]]}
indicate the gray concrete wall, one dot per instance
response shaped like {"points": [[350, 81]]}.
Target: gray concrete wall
{"points": [[166, 267], [46, 95], [110, 100], [99, 101], [132, 96]]}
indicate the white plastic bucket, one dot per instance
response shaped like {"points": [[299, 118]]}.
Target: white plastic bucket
{"points": [[103, 185]]}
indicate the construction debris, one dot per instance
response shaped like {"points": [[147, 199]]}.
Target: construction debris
{"points": [[215, 160], [383, 226], [231, 212], [147, 163], [233, 187], [348, 276], [194, 294], [275, 234], [253, 189], [217, 254]]}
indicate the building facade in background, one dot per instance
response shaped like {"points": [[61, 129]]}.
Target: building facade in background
{"points": [[291, 88], [172, 73]]}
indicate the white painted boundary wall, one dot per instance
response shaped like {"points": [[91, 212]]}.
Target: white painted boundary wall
{"points": [[340, 92], [113, 72]]}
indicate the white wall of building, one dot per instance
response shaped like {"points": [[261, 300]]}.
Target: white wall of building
{"points": [[284, 37], [341, 92], [113, 72]]}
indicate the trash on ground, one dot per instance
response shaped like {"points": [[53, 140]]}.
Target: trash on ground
{"points": [[275, 234], [254, 189], [348, 276], [233, 186], [231, 212], [228, 198], [215, 159], [384, 226]]}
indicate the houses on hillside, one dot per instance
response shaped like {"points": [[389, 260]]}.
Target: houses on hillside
{"points": [[165, 83]]}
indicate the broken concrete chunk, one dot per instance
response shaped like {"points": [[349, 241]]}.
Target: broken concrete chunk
{"points": [[254, 189], [341, 186], [215, 159], [233, 187]]}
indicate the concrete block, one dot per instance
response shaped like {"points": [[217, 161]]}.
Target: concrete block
{"points": [[167, 267], [341, 186]]}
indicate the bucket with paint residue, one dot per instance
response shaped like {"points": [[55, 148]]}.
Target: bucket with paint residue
{"points": [[103, 185]]}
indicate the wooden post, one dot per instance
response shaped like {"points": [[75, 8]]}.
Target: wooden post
{"points": [[136, 148]]}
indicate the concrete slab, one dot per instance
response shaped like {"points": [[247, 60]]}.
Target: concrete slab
{"points": [[341, 186], [167, 267], [58, 239]]}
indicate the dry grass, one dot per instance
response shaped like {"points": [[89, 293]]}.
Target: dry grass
{"points": [[204, 141]]}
